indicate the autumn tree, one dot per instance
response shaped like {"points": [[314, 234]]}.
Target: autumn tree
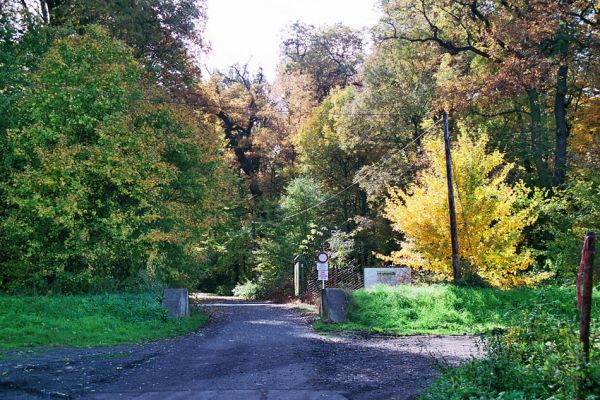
{"points": [[252, 127], [491, 216], [329, 56], [504, 48]]}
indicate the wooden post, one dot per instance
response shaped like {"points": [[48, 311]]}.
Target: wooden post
{"points": [[586, 273], [453, 230]]}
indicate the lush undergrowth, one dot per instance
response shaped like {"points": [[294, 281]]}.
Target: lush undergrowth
{"points": [[532, 348], [87, 320], [538, 358], [447, 309]]}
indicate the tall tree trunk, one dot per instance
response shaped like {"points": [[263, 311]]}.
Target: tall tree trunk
{"points": [[537, 135], [562, 129]]}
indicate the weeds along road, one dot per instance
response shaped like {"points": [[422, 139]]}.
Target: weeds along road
{"points": [[249, 351]]}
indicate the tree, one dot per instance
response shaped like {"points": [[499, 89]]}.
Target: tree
{"points": [[252, 128], [292, 232], [163, 33], [503, 48], [388, 111], [329, 56], [491, 216], [336, 160], [103, 184], [323, 155]]}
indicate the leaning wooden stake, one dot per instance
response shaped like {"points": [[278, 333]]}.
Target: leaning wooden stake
{"points": [[453, 230], [584, 295]]}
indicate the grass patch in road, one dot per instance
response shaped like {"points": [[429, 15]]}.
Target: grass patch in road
{"points": [[446, 309], [83, 321], [305, 310]]}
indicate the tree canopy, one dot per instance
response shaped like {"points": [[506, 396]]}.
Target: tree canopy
{"points": [[121, 165]]}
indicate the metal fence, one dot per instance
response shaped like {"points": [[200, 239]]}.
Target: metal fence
{"points": [[349, 277]]}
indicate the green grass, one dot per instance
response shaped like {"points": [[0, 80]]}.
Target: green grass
{"points": [[84, 321], [447, 309]]}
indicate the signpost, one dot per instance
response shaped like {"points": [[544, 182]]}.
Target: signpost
{"points": [[323, 275], [322, 257], [322, 268]]}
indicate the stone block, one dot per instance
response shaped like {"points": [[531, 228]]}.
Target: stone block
{"points": [[334, 305], [176, 302]]}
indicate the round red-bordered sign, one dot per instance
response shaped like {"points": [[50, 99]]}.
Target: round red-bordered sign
{"points": [[322, 257]]}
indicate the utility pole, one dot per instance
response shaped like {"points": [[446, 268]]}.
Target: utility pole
{"points": [[584, 295], [453, 231]]}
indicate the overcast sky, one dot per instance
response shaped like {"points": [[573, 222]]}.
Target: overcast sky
{"points": [[250, 30]]}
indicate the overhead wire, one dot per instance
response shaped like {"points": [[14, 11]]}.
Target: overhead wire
{"points": [[343, 190], [362, 178]]}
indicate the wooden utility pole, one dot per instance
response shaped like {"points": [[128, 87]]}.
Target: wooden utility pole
{"points": [[584, 297], [453, 230]]}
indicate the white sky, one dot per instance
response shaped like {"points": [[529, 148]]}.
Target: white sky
{"points": [[250, 30]]}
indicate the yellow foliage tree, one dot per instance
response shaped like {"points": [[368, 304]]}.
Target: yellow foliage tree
{"points": [[491, 216]]}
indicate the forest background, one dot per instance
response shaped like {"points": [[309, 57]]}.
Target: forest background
{"points": [[124, 168]]}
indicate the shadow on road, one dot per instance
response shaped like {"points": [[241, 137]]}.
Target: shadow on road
{"points": [[250, 350]]}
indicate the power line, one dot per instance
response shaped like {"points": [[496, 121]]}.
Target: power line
{"points": [[345, 189], [360, 179]]}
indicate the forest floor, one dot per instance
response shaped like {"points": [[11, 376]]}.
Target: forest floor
{"points": [[248, 351]]}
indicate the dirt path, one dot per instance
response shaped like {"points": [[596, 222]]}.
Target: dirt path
{"points": [[250, 351]]}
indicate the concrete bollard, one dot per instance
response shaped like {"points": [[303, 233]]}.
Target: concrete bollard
{"points": [[176, 302], [334, 305]]}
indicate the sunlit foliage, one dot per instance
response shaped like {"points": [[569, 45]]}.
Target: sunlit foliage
{"points": [[105, 186], [491, 215]]}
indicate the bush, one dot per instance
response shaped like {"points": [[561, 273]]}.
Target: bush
{"points": [[565, 219], [540, 358], [249, 291], [223, 290]]}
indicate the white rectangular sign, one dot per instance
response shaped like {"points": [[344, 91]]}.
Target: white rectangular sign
{"points": [[324, 275], [386, 276], [322, 266]]}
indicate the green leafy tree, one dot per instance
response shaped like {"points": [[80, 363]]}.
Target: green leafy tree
{"points": [[164, 34], [295, 232], [103, 187]]}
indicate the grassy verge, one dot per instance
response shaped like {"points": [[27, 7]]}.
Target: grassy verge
{"points": [[97, 320], [540, 357], [537, 356], [447, 309]]}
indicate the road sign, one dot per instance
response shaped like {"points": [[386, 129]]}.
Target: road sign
{"points": [[322, 257], [323, 275], [322, 266]]}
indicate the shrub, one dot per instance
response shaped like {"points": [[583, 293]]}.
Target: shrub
{"points": [[565, 219], [249, 291], [540, 358]]}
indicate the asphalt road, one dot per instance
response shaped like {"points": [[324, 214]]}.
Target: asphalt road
{"points": [[249, 351]]}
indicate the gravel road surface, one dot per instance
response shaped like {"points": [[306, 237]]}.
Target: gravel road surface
{"points": [[249, 351]]}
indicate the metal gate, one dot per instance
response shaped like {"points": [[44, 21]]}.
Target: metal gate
{"points": [[308, 287]]}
